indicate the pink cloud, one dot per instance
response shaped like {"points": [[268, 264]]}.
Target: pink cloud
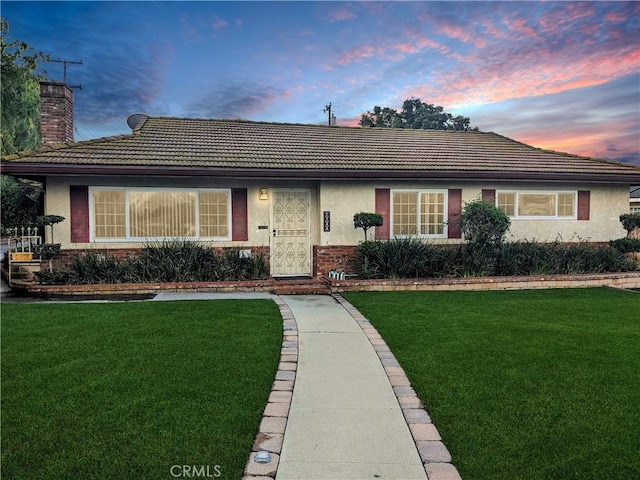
{"points": [[589, 140], [340, 15], [513, 70], [416, 44], [358, 53], [349, 122], [555, 21], [615, 17], [521, 28], [219, 24], [463, 34]]}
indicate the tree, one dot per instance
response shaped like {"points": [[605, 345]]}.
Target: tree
{"points": [[417, 115], [19, 203], [20, 98], [367, 220]]}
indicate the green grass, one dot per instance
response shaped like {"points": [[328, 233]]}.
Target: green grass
{"points": [[127, 390], [523, 385]]}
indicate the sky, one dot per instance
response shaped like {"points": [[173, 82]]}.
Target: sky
{"points": [[557, 75]]}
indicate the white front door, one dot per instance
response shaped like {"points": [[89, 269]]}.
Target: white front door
{"points": [[290, 240]]}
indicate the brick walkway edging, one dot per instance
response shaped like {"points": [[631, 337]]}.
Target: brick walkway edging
{"points": [[435, 457], [274, 418]]}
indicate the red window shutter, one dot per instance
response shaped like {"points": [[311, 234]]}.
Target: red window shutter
{"points": [[455, 209], [584, 204], [79, 200], [383, 207], [489, 196], [239, 217]]}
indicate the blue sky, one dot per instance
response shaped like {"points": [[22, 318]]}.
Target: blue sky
{"points": [[558, 75]]}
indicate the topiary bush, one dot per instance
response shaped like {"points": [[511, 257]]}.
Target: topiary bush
{"points": [[366, 221], [630, 221]]}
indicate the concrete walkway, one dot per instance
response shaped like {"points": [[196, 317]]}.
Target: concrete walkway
{"points": [[345, 421]]}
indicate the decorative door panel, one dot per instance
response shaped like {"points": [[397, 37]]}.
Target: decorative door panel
{"points": [[290, 244]]}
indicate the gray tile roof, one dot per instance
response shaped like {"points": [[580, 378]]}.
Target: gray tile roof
{"points": [[180, 145]]}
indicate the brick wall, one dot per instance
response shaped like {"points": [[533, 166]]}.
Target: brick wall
{"points": [[336, 257], [56, 117]]}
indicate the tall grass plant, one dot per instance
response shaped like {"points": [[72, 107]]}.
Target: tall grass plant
{"points": [[414, 258], [164, 261]]}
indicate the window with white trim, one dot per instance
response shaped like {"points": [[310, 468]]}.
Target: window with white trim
{"points": [[538, 204], [419, 213], [145, 213]]}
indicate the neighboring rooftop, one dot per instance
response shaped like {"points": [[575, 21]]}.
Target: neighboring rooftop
{"points": [[177, 146]]}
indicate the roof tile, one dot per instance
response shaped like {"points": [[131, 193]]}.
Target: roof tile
{"points": [[178, 142]]}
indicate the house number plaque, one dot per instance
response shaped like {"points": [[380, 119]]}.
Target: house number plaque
{"points": [[326, 220]]}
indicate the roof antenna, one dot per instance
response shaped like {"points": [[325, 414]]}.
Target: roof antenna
{"points": [[65, 63], [332, 118]]}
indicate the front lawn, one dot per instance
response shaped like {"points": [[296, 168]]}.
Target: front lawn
{"points": [[130, 390], [523, 384]]}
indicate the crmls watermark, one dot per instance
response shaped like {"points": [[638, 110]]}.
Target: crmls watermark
{"points": [[196, 471]]}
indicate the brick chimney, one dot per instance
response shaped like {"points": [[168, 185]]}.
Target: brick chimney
{"points": [[56, 117]]}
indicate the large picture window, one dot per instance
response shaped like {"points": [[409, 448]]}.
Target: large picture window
{"points": [[121, 214], [419, 213], [532, 205], [161, 214]]}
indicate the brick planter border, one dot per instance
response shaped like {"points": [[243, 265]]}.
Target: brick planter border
{"points": [[625, 280]]}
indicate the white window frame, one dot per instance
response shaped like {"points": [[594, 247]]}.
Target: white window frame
{"points": [[515, 215], [420, 191], [129, 238]]}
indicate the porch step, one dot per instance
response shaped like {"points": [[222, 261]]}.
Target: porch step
{"points": [[21, 273], [310, 286]]}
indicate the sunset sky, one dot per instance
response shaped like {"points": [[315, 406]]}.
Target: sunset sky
{"points": [[557, 75]]}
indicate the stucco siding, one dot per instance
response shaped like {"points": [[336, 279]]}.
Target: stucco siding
{"points": [[607, 203], [258, 211], [342, 199]]}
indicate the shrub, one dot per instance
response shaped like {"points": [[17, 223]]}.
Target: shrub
{"points": [[176, 261], [90, 267], [396, 258], [166, 261], [411, 258], [626, 245], [483, 223]]}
